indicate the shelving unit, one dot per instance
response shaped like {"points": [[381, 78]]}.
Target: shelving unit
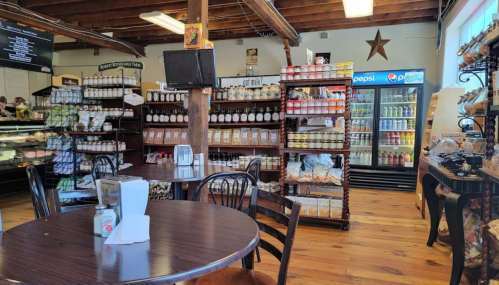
{"points": [[345, 152]]}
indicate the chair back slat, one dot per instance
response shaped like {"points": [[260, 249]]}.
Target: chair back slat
{"points": [[270, 248], [272, 231], [55, 196], [254, 168], [279, 217], [40, 205], [291, 222], [100, 166], [231, 187]]}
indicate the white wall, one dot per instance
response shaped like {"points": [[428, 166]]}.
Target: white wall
{"points": [[411, 46]]}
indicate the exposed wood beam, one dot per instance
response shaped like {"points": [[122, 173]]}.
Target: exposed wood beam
{"points": [[269, 14], [38, 3], [288, 52], [71, 31]]}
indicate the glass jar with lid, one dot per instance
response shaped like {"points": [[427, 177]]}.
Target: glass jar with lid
{"points": [[291, 135], [319, 135], [291, 143], [340, 136], [297, 143], [304, 144], [312, 135], [311, 144], [275, 163], [304, 136]]}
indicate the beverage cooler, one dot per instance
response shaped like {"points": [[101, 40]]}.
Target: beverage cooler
{"points": [[386, 129]]}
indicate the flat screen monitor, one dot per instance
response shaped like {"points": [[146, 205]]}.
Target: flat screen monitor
{"points": [[188, 69], [25, 48]]}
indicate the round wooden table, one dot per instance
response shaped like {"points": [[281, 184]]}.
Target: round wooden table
{"points": [[188, 239], [174, 174]]}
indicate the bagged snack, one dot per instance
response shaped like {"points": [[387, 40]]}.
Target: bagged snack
{"points": [[293, 170], [320, 173], [84, 120], [334, 175], [472, 241], [96, 124], [305, 175]]}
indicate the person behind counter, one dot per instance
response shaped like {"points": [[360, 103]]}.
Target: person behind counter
{"points": [[17, 102], [4, 112]]}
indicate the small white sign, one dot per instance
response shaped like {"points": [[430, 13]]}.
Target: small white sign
{"points": [[134, 99], [249, 82], [409, 164]]}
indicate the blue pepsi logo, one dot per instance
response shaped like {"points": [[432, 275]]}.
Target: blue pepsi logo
{"points": [[392, 77]]}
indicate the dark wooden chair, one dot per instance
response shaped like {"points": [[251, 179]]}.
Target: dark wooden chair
{"points": [[254, 168], [231, 191], [100, 166], [40, 205], [240, 276], [55, 196]]}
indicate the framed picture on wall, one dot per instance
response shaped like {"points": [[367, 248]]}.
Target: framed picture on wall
{"points": [[252, 56]]}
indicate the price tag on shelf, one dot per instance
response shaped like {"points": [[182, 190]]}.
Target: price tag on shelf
{"points": [[328, 122], [408, 164], [134, 99]]}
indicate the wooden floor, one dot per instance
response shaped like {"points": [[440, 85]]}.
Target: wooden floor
{"points": [[386, 245]]}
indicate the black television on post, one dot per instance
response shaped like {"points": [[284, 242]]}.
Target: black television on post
{"points": [[189, 69], [25, 48]]}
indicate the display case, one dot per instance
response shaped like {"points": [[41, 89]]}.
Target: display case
{"points": [[22, 143]]}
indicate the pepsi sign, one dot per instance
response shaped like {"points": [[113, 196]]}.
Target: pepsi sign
{"points": [[389, 77]]}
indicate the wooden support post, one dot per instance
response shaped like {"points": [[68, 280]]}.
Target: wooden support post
{"points": [[197, 11], [288, 52]]}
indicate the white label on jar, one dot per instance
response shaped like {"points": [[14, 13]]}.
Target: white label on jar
{"points": [[186, 118], [156, 97], [251, 117], [235, 118], [173, 118], [228, 118], [167, 119], [180, 118], [172, 97], [213, 118], [244, 117], [155, 118], [221, 118], [275, 117]]}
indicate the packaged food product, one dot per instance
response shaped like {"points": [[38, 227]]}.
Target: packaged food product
{"points": [[236, 137], [312, 207], [305, 175], [158, 139], [264, 137], [144, 134], [255, 136], [210, 134], [334, 175], [320, 172], [303, 202], [176, 136], [323, 208], [193, 36], [217, 137], [184, 137], [274, 137], [245, 136], [150, 136], [335, 207], [293, 170], [226, 137], [168, 136]]}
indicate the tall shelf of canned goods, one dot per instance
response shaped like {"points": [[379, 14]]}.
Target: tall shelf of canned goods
{"points": [[296, 144]]}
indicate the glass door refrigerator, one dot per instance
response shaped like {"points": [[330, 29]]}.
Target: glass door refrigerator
{"points": [[386, 129]]}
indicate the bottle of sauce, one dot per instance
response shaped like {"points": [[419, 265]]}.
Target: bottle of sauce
{"points": [[252, 116], [225, 94], [155, 117], [149, 96], [149, 116], [232, 93], [214, 117], [236, 116], [259, 116], [264, 92], [228, 116], [162, 116], [221, 116], [244, 116], [180, 117], [173, 116], [186, 116], [267, 117], [167, 116], [275, 115]]}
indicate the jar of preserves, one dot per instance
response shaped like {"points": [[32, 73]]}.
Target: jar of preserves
{"points": [[291, 135], [305, 136], [319, 135], [297, 143], [305, 144], [312, 135], [311, 144], [340, 136], [291, 143]]}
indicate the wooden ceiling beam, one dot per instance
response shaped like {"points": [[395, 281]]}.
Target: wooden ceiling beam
{"points": [[269, 14], [38, 3], [71, 31]]}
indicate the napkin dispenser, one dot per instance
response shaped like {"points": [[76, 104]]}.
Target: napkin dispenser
{"points": [[129, 193], [182, 155]]}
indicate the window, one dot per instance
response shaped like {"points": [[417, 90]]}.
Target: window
{"points": [[472, 27]]}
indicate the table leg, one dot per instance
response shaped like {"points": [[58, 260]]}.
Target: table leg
{"points": [[177, 190], [454, 204], [429, 185], [249, 260]]}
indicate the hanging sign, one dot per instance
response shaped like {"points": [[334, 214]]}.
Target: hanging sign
{"points": [[249, 82], [124, 64], [134, 99]]}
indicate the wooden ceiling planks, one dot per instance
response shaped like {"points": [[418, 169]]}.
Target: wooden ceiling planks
{"points": [[226, 19]]}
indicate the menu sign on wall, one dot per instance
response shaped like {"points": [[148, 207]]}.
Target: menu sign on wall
{"points": [[25, 48]]}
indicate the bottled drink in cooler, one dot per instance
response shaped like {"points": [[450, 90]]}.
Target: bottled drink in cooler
{"points": [[390, 159], [388, 138], [410, 111], [395, 112], [383, 125], [388, 124], [359, 97], [384, 158], [400, 112], [407, 158], [370, 140], [405, 112], [404, 124], [380, 158], [402, 138], [390, 112], [362, 126], [413, 137], [362, 158], [412, 156], [397, 139], [368, 126]]}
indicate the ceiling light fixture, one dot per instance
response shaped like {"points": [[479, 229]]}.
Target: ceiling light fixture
{"points": [[164, 21], [358, 8]]}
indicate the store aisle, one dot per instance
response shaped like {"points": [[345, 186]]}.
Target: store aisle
{"points": [[386, 244]]}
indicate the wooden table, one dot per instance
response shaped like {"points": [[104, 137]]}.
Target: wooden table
{"points": [[188, 239], [431, 174], [174, 174]]}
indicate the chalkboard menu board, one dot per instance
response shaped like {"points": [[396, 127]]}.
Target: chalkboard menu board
{"points": [[25, 48]]}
